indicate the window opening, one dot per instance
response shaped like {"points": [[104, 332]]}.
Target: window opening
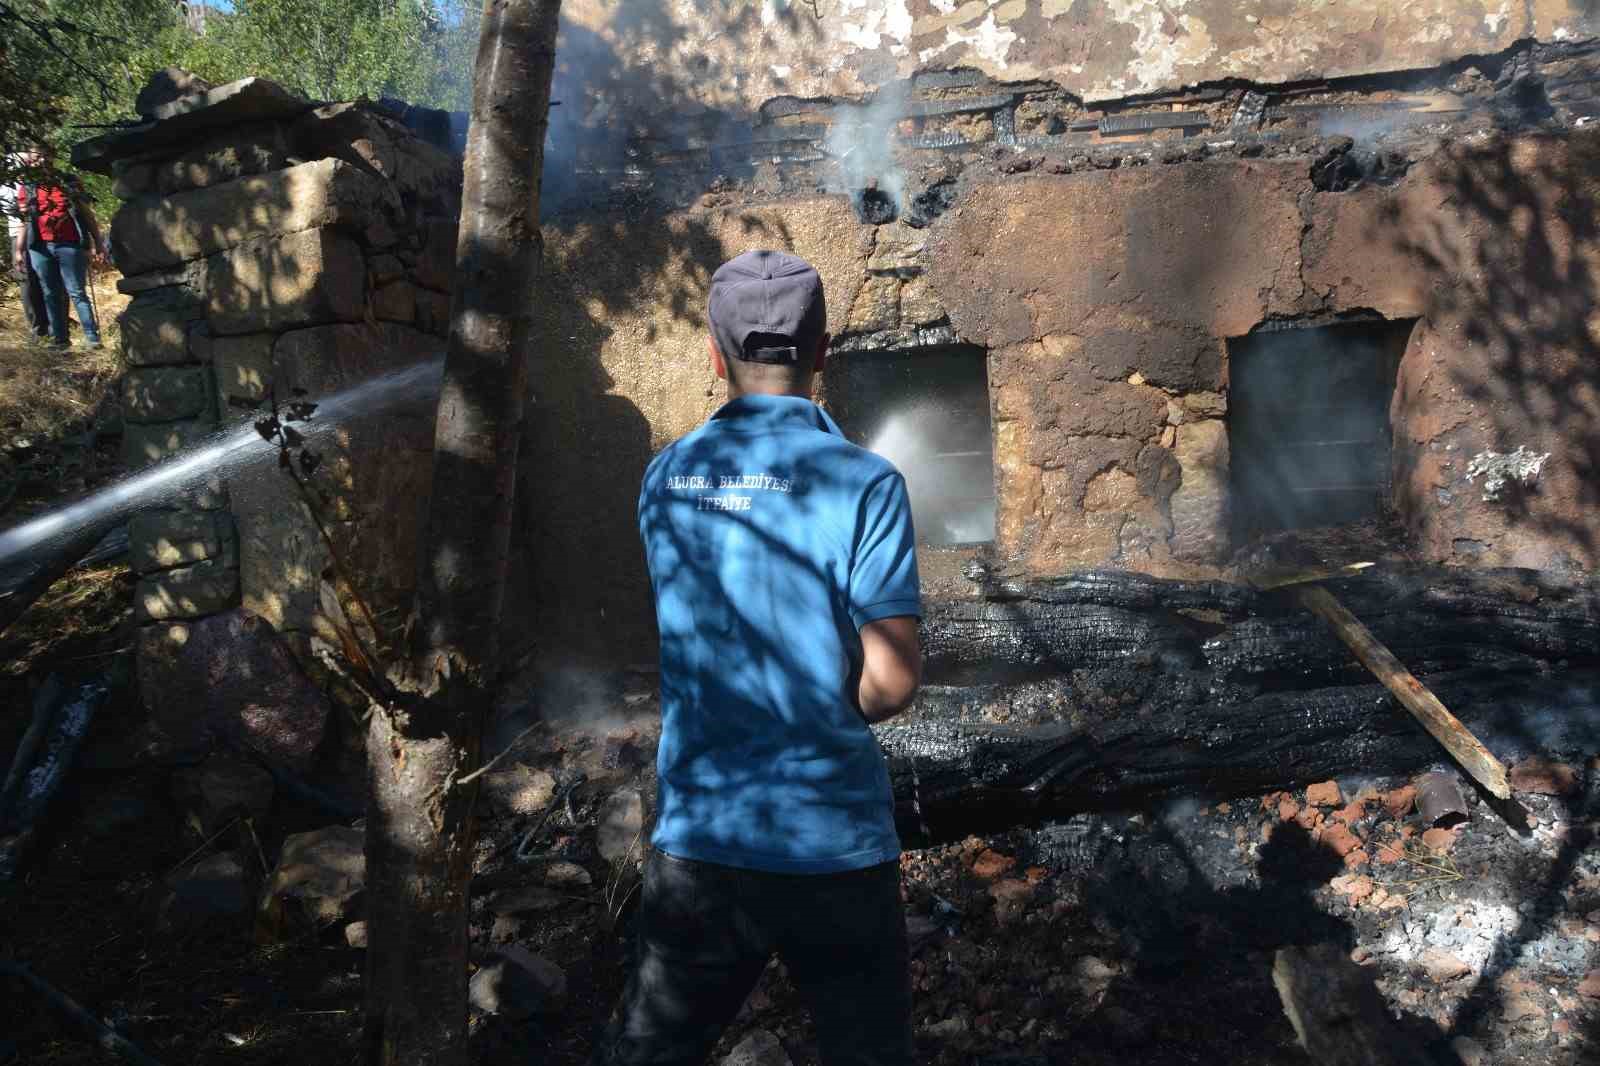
{"points": [[926, 411], [1308, 427]]}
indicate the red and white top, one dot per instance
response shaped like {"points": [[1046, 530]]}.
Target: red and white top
{"points": [[53, 208]]}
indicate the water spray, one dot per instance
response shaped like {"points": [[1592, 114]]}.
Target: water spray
{"points": [[63, 534]]}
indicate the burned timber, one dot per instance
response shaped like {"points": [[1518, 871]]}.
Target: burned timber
{"points": [[1109, 690]]}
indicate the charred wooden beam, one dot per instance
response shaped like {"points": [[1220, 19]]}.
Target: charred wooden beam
{"points": [[1428, 616], [985, 756]]}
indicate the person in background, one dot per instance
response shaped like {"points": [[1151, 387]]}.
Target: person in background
{"points": [[59, 239], [28, 287]]}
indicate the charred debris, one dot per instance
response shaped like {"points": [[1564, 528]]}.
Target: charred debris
{"points": [[904, 153]]}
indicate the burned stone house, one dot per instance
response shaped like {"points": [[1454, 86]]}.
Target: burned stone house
{"points": [[1139, 286]]}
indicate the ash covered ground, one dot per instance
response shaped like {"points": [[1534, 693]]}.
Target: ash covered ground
{"points": [[1144, 933], [155, 898]]}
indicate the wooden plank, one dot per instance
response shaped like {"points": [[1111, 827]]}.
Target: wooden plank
{"points": [[1283, 578], [1445, 727]]}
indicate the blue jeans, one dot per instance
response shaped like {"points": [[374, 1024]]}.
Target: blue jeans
{"points": [[61, 267], [705, 933]]}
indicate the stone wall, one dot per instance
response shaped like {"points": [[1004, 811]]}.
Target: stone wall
{"points": [[734, 57], [1103, 258], [270, 244]]}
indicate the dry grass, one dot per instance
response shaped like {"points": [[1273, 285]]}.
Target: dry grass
{"points": [[46, 394], [78, 621], [47, 399]]}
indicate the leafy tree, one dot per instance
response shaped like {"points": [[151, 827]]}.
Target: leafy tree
{"points": [[417, 50], [70, 64]]}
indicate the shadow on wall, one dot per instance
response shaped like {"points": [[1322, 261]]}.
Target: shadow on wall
{"points": [[628, 86], [614, 287], [1508, 355], [621, 273]]}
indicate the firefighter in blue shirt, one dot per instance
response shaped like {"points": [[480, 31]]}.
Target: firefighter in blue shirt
{"points": [[782, 559]]}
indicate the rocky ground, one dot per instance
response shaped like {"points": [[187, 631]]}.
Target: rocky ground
{"points": [[217, 917], [213, 913]]}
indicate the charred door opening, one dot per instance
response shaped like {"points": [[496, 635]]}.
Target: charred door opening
{"points": [[927, 411], [1308, 430]]}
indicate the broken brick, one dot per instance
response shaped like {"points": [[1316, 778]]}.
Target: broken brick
{"points": [[1440, 840], [1325, 794], [991, 864], [1400, 801], [1544, 777], [1354, 887], [1391, 851], [1589, 987], [1337, 837], [1441, 966], [1354, 812], [1287, 809]]}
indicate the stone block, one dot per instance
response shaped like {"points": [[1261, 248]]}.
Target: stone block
{"points": [[133, 180], [183, 120], [365, 136], [877, 306], [237, 154], [385, 268], [899, 249], [517, 984], [157, 279], [166, 87], [166, 394], [200, 342], [143, 444], [231, 679], [920, 305], [437, 263], [377, 462], [156, 233], [242, 367], [188, 592], [274, 283], [395, 302], [1200, 530], [160, 540], [154, 335], [317, 883], [433, 312]]}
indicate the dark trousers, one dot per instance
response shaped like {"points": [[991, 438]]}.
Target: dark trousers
{"points": [[32, 294], [705, 933]]}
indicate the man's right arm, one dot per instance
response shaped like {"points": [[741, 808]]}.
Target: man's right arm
{"points": [[891, 667]]}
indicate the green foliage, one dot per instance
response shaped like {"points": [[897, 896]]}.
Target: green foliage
{"points": [[66, 64], [68, 68], [417, 50]]}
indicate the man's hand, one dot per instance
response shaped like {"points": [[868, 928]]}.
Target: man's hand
{"points": [[891, 667]]}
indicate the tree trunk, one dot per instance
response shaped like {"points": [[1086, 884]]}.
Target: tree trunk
{"points": [[420, 832]]}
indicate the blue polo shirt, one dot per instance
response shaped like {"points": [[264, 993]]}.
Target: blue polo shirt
{"points": [[771, 541]]}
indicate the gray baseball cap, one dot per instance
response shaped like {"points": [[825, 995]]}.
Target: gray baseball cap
{"points": [[767, 307]]}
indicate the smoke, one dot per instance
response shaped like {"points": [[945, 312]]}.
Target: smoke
{"points": [[947, 505], [861, 140], [618, 108], [566, 695]]}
